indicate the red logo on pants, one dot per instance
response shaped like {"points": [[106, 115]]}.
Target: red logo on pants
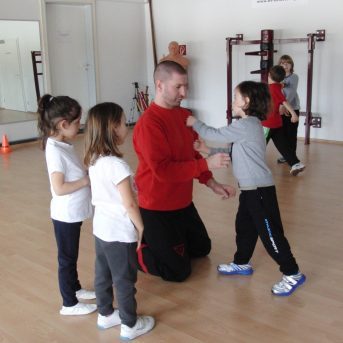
{"points": [[179, 249]]}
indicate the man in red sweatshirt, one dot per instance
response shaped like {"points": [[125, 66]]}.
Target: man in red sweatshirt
{"points": [[167, 164]]}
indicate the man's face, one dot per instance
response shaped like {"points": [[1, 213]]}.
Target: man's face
{"points": [[173, 90]]}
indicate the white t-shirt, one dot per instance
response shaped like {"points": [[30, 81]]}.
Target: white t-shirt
{"points": [[74, 207], [111, 222]]}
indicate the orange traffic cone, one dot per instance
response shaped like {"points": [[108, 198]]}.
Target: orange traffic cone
{"points": [[5, 148]]}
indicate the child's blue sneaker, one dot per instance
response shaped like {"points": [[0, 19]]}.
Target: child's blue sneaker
{"points": [[235, 269], [288, 284]]}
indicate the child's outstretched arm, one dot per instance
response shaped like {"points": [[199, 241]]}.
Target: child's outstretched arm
{"points": [[62, 187], [190, 121], [131, 206], [289, 108]]}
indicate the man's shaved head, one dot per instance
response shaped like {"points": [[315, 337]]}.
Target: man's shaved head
{"points": [[165, 69]]}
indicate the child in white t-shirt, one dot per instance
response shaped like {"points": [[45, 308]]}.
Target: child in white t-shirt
{"points": [[59, 123], [117, 224]]}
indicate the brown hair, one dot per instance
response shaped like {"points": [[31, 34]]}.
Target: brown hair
{"points": [[277, 73], [51, 110], [100, 136], [287, 59], [164, 70], [259, 98]]}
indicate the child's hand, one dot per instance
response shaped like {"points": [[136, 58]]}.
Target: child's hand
{"points": [[86, 180], [219, 160], [283, 111], [294, 119], [190, 121], [139, 238], [200, 146]]}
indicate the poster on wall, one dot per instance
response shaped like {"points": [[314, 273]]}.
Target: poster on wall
{"points": [[277, 3]]}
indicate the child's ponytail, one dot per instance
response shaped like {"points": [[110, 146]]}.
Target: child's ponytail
{"points": [[51, 110], [44, 125]]}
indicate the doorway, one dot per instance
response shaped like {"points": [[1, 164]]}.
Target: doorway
{"points": [[71, 52], [11, 76]]}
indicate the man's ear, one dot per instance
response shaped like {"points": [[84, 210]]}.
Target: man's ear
{"points": [[159, 84]]}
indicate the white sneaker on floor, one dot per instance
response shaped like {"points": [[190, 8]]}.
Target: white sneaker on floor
{"points": [[83, 294], [297, 168], [143, 325], [235, 269], [288, 284], [105, 322], [78, 310]]}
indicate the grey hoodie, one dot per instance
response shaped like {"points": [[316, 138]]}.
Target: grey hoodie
{"points": [[248, 150], [290, 90]]}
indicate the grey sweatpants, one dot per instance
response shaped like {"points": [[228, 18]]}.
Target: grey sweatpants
{"points": [[116, 266]]}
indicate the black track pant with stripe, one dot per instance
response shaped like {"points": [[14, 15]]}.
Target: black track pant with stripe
{"points": [[259, 216]]}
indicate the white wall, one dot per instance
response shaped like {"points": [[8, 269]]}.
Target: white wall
{"points": [[204, 24], [19, 9], [121, 40]]}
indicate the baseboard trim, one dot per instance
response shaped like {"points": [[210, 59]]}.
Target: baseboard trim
{"points": [[319, 140], [22, 141]]}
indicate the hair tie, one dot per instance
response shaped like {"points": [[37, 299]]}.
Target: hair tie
{"points": [[51, 98]]}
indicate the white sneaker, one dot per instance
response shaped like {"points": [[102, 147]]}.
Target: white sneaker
{"points": [[78, 310], [83, 294], [288, 284], [235, 269], [143, 325], [105, 322], [297, 168]]}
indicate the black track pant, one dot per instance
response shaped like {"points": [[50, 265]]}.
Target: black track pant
{"points": [[259, 216], [170, 240], [290, 131], [283, 145]]}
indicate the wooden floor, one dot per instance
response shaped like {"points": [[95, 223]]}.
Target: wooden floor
{"points": [[207, 307]]}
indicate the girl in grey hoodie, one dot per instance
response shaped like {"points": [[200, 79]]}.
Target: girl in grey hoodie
{"points": [[258, 213]]}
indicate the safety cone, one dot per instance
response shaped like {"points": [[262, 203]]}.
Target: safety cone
{"points": [[5, 148]]}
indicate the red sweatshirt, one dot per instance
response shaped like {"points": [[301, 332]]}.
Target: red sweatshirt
{"points": [[167, 161], [274, 119]]}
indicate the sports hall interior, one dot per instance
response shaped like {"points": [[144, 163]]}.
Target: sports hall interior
{"points": [[127, 36]]}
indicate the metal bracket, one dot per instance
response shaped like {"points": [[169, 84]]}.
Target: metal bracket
{"points": [[320, 35], [316, 122]]}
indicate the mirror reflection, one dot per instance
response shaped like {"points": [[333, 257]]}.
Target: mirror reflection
{"points": [[21, 79]]}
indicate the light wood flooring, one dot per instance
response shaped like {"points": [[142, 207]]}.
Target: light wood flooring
{"points": [[207, 307]]}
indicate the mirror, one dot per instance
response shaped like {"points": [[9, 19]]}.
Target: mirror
{"points": [[19, 82]]}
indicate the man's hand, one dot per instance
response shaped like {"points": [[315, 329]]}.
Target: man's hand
{"points": [[226, 191]]}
